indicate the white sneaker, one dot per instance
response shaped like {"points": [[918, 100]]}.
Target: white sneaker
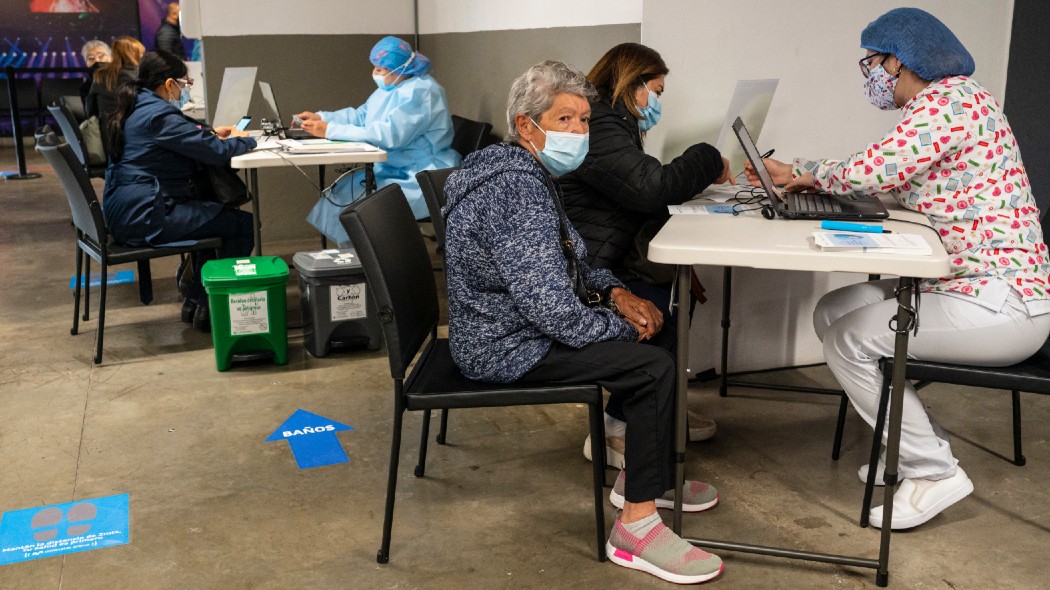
{"points": [[919, 500], [614, 446], [880, 473], [699, 428]]}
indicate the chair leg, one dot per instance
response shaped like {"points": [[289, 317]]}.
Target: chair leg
{"points": [[87, 288], [444, 427], [101, 314], [598, 467], [876, 446], [145, 282], [76, 291], [421, 466], [840, 426], [1019, 459], [383, 556]]}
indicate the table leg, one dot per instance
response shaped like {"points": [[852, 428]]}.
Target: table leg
{"points": [[681, 390], [253, 188], [904, 319], [370, 179], [320, 183]]}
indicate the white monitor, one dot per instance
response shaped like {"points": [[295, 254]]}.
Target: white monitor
{"points": [[234, 96]]}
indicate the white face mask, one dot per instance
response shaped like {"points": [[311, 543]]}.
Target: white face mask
{"points": [[879, 88]]}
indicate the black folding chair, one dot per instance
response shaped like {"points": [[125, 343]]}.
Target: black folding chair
{"points": [[397, 267], [75, 139], [469, 136], [93, 237]]}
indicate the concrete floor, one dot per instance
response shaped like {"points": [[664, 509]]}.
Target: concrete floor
{"points": [[505, 505]]}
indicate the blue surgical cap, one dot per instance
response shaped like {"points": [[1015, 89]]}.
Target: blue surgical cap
{"points": [[920, 41], [397, 55]]}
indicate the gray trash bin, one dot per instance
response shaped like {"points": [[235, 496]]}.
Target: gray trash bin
{"points": [[336, 303]]}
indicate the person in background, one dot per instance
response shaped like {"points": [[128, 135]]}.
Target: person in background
{"points": [[95, 53], [952, 156], [618, 197], [123, 67], [407, 116], [169, 34], [514, 315], [154, 150]]}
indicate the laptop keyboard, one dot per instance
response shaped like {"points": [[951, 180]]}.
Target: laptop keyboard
{"points": [[801, 202]]}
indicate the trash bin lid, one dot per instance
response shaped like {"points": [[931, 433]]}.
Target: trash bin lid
{"points": [[237, 272], [327, 263]]}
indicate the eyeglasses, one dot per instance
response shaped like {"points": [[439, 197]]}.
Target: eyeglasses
{"points": [[865, 63], [184, 82]]}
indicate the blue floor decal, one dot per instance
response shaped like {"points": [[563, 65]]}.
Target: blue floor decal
{"points": [[312, 439], [46, 531], [119, 277]]}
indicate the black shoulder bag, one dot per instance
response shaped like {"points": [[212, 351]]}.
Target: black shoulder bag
{"points": [[589, 297], [218, 183]]}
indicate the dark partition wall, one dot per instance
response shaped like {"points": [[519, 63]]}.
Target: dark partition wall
{"points": [[1027, 88]]}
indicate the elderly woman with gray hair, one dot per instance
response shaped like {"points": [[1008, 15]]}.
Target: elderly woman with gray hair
{"points": [[516, 316]]}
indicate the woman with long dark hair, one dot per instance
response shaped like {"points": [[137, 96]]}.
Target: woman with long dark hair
{"points": [[154, 149]]}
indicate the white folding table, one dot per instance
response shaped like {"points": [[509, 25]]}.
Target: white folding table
{"points": [[755, 242], [256, 159]]}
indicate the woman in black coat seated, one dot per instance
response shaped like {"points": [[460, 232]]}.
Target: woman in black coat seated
{"points": [[619, 195], [154, 149]]}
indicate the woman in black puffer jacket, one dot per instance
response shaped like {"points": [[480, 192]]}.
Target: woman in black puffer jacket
{"points": [[619, 188]]}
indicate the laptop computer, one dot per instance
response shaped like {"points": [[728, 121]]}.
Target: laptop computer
{"points": [[267, 94], [807, 205]]}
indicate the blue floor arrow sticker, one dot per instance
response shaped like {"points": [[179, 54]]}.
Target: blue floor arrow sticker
{"points": [[46, 531], [312, 439], [119, 277]]}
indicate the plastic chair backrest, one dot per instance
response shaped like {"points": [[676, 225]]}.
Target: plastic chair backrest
{"points": [[397, 265], [70, 131], [83, 202], [468, 136], [432, 185], [75, 105], [53, 89]]}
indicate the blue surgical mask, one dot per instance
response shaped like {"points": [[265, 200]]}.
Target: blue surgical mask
{"points": [[381, 82], [563, 152], [184, 97], [879, 88], [651, 112]]}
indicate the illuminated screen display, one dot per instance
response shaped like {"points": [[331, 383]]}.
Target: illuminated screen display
{"points": [[50, 33]]}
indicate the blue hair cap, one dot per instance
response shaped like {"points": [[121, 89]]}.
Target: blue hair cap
{"points": [[397, 56], [920, 41]]}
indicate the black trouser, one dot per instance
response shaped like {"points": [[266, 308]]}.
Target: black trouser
{"points": [[237, 232], [641, 378]]}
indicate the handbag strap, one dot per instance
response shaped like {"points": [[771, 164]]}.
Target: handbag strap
{"points": [[568, 247]]}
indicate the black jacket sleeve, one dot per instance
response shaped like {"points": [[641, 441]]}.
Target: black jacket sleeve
{"points": [[618, 168]]}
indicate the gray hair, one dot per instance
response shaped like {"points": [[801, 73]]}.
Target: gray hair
{"points": [[93, 45], [533, 93]]}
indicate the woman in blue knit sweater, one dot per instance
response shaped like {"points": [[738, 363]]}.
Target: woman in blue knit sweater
{"points": [[514, 314]]}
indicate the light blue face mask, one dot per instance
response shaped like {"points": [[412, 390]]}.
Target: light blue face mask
{"points": [[381, 80], [184, 97], [651, 112], [563, 152]]}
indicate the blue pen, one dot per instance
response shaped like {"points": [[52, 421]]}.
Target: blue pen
{"points": [[850, 226]]}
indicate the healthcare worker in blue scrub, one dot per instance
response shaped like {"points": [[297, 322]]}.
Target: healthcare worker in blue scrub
{"points": [[407, 116]]}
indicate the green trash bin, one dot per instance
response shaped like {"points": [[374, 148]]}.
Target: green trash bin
{"points": [[247, 300]]}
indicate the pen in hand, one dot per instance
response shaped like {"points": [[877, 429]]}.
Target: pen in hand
{"points": [[762, 157]]}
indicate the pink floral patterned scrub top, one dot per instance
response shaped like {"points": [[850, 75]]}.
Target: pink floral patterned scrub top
{"points": [[953, 157]]}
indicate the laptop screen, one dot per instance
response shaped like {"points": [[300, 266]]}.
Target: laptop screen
{"points": [[267, 94], [755, 158]]}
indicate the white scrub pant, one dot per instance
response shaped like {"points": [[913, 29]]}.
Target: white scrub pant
{"points": [[852, 322]]}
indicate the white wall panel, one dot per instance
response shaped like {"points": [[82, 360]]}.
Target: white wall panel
{"points": [[455, 16], [232, 18]]}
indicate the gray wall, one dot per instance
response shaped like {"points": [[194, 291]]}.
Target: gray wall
{"points": [[477, 68], [1027, 87]]}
